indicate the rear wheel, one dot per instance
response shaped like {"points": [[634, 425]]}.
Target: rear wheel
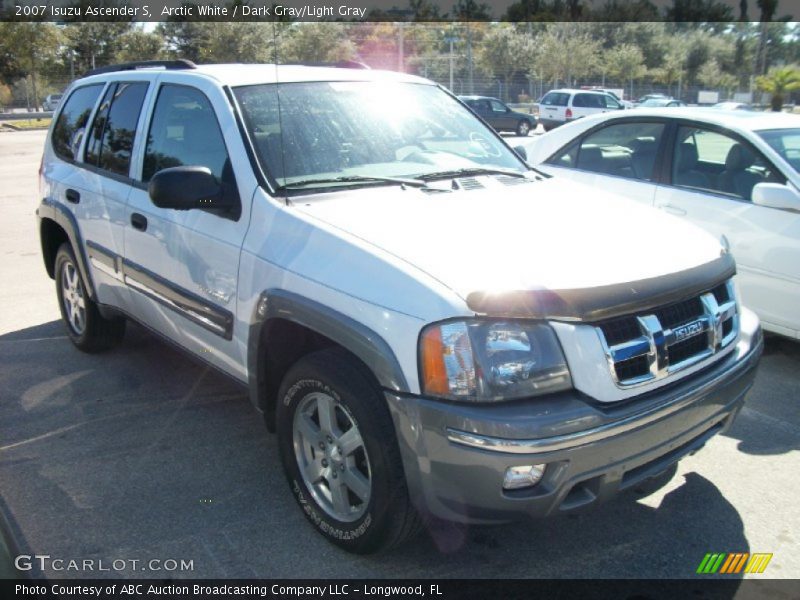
{"points": [[340, 454], [86, 327]]}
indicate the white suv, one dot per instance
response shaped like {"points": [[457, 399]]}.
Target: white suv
{"points": [[561, 106], [434, 330]]}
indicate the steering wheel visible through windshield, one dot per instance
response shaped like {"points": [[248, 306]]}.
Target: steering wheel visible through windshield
{"points": [[304, 132]]}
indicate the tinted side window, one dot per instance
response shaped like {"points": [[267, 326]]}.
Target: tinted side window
{"points": [[709, 160], [69, 128], [497, 106], [115, 127], [622, 149], [611, 102], [184, 131]]}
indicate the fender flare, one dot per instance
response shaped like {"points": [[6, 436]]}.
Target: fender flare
{"points": [[360, 340], [59, 214]]}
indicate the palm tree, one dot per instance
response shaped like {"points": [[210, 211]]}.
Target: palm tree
{"points": [[778, 82]]}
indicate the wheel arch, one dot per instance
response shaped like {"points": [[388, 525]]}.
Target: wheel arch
{"points": [[286, 326], [58, 225]]}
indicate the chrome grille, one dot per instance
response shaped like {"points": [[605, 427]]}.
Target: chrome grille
{"points": [[647, 347]]}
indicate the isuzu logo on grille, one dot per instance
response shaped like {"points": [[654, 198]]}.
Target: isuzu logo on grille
{"points": [[656, 343], [686, 331]]}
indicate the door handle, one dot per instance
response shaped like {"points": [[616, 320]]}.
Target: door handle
{"points": [[139, 221], [675, 210], [72, 196]]}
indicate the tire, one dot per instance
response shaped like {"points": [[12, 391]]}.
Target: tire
{"points": [[524, 127], [86, 327], [356, 495]]}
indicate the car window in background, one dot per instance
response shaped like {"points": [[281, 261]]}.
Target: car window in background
{"points": [[114, 128], [709, 160], [184, 131], [71, 123], [498, 106], [785, 142], [555, 99], [622, 149], [611, 102]]}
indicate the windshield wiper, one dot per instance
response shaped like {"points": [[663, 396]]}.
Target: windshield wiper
{"points": [[468, 171], [352, 179]]}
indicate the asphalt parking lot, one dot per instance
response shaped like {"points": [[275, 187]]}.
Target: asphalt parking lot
{"points": [[142, 454]]}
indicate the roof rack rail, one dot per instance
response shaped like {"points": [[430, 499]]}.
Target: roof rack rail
{"points": [[171, 65], [342, 64]]}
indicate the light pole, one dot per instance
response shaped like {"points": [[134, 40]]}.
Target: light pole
{"points": [[451, 40]]}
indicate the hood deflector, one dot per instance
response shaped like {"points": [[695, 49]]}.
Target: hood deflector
{"points": [[604, 302]]}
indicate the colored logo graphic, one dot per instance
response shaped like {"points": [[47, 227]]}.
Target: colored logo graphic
{"points": [[734, 562]]}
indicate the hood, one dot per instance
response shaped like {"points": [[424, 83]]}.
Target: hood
{"points": [[552, 234]]}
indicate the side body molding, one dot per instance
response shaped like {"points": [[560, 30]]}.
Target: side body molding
{"points": [[355, 337], [50, 209]]}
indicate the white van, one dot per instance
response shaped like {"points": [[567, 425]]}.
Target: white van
{"points": [[561, 106]]}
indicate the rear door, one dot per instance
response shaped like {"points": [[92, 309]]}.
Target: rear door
{"points": [[553, 106], [712, 175]]}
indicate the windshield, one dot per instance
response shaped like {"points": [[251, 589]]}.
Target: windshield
{"points": [[343, 133], [785, 142]]}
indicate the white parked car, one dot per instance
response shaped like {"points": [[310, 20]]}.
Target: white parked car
{"points": [[734, 173], [561, 106]]}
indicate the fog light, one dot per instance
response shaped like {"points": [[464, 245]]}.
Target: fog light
{"points": [[522, 477]]}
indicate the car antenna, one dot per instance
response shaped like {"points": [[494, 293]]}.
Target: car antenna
{"points": [[278, 96]]}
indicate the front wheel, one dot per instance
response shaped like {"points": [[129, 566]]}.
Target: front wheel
{"points": [[86, 327], [340, 454], [524, 127]]}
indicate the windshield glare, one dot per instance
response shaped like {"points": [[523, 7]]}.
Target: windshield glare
{"points": [[785, 142], [325, 130]]}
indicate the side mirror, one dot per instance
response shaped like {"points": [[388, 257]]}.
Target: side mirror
{"points": [[185, 188], [521, 152], [776, 195]]}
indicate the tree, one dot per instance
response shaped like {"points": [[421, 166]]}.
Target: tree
{"points": [[35, 44], [566, 52], [5, 96], [138, 44], [93, 45], [315, 42], [504, 52], [672, 68], [778, 82], [625, 62]]}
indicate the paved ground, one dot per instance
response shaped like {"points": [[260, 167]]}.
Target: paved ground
{"points": [[142, 454]]}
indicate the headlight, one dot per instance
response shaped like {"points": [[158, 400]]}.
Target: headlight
{"points": [[482, 360]]}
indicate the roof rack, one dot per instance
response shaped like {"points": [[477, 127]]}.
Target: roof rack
{"points": [[342, 64], [170, 65]]}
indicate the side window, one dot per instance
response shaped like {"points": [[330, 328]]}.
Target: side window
{"points": [[622, 149], [111, 142], [497, 106], [555, 99], [579, 101], [69, 129], [184, 131], [611, 102], [709, 160]]}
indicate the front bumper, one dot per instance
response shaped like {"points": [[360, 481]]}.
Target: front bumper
{"points": [[455, 455]]}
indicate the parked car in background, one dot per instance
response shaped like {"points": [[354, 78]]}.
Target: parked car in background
{"points": [[499, 115], [647, 97], [51, 102], [734, 173], [733, 106], [561, 106], [661, 103], [625, 103]]}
